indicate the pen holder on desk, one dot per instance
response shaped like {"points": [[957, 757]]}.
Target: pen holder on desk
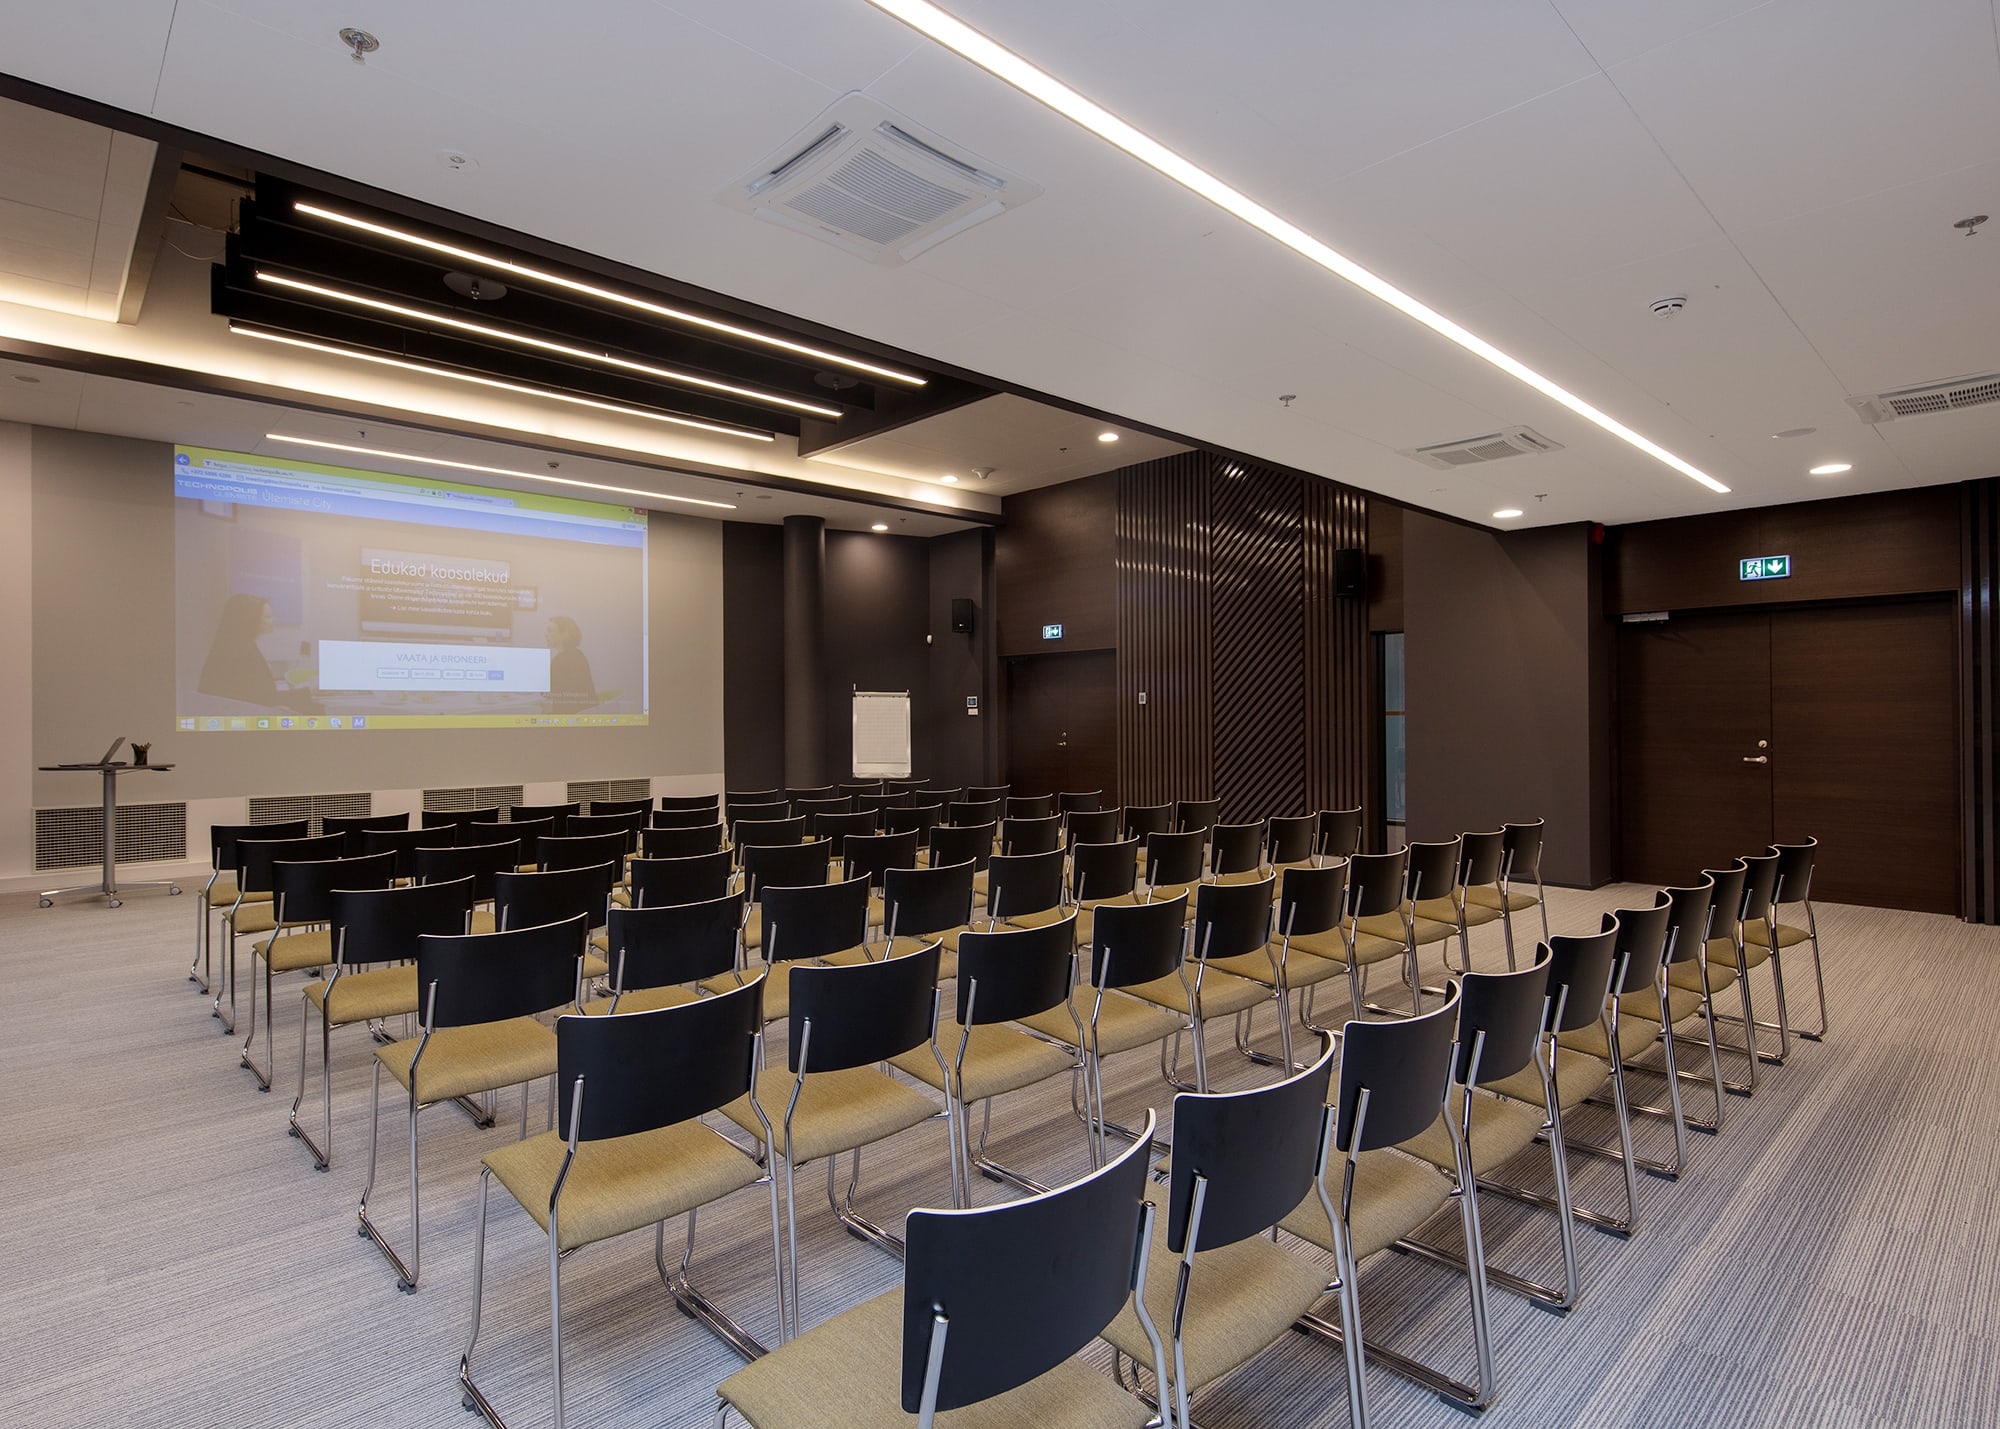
{"points": [[139, 752]]}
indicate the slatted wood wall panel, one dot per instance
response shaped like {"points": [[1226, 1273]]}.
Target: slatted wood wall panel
{"points": [[1342, 734], [1166, 746], [1979, 697], [1257, 636]]}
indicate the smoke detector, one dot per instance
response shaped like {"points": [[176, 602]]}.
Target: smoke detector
{"points": [[1667, 307]]}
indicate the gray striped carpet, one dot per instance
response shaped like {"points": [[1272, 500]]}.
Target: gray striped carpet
{"points": [[173, 1259]]}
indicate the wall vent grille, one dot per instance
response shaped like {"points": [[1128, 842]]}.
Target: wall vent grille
{"points": [[144, 833], [596, 791], [477, 796], [1929, 399], [312, 807], [1472, 451]]}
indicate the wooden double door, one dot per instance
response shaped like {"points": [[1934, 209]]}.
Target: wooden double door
{"points": [[1062, 730], [1839, 723]]}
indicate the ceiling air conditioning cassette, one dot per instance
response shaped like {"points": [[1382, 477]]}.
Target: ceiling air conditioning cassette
{"points": [[876, 183], [1472, 451], [1928, 400]]}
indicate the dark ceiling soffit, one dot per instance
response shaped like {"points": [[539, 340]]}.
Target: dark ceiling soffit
{"points": [[152, 231], [94, 364], [893, 409]]}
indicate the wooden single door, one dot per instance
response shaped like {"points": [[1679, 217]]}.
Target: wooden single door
{"points": [[1061, 735]]}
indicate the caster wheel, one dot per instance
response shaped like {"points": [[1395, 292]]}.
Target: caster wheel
{"points": [[48, 903], [117, 903]]}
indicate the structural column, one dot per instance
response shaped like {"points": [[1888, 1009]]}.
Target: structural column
{"points": [[805, 695]]}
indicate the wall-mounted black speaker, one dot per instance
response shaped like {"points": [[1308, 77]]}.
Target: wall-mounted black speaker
{"points": [[961, 616], [1350, 572]]}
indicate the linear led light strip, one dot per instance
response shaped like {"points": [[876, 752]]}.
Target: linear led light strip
{"points": [[996, 59], [521, 339], [492, 470], [494, 382], [609, 295]]}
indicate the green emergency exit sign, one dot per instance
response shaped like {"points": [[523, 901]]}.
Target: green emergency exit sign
{"points": [[1764, 568]]}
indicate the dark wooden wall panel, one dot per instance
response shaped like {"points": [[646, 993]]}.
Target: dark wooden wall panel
{"points": [[1257, 639], [1342, 733], [1165, 746], [1054, 563], [1979, 699], [753, 661]]}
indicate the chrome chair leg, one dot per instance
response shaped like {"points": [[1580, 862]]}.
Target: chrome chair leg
{"points": [[322, 1154], [469, 1395], [406, 1274], [263, 1073], [1819, 976], [697, 1306]]}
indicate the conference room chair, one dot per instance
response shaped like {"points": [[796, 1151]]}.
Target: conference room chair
{"points": [[528, 813], [842, 1023], [1394, 1078], [1079, 801], [872, 855], [913, 819], [817, 791], [1098, 873], [1308, 905], [994, 1307], [1031, 835], [684, 818], [734, 812], [859, 786], [1639, 951], [1756, 945], [1293, 839], [961, 843], [528, 900], [1373, 900], [833, 827], [302, 938], [1502, 1033], [658, 954], [630, 1150], [220, 891], [927, 905], [1521, 861], [452, 818], [940, 796], [780, 865], [683, 842], [404, 843], [767, 832], [688, 802], [1582, 971], [1241, 1161], [1236, 852], [372, 975], [355, 825], [693, 878], [1337, 834], [252, 912], [1037, 806], [594, 825], [987, 793], [480, 998], [1232, 923], [1143, 821], [968, 811], [1429, 872], [607, 808], [1711, 975], [1094, 826], [1667, 1005], [814, 923], [1003, 976], [1196, 814], [1794, 889], [906, 783], [744, 796], [481, 863], [809, 808], [1174, 862], [888, 799], [1024, 885], [554, 852], [525, 834], [1479, 859]]}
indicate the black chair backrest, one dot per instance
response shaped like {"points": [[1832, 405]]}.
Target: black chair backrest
{"points": [[1580, 969], [1641, 946], [684, 819], [917, 901], [1258, 1151], [1432, 869], [1293, 837], [1524, 849], [1375, 883], [835, 827], [859, 786], [734, 813], [1760, 887], [689, 802], [874, 854], [897, 799], [1080, 802], [1138, 822], [1038, 806], [403, 843], [222, 838], [1022, 883], [1236, 848], [1025, 1284], [861, 1012], [1136, 943], [478, 862], [1339, 833], [955, 843], [750, 796], [1795, 869], [767, 831], [383, 925], [526, 833], [534, 813], [1231, 919], [1405, 1065], [255, 857], [1687, 918], [675, 943], [647, 1070], [810, 808], [1108, 870], [617, 808], [914, 819], [1480, 857], [814, 921], [1309, 899], [569, 851], [468, 978], [1510, 1009], [592, 825], [941, 797], [1728, 903], [1037, 835], [1174, 858], [1197, 813], [817, 791], [524, 900], [664, 882], [680, 843], [355, 825], [987, 793], [452, 818], [1091, 826], [1013, 973], [967, 811], [785, 865], [303, 892], [906, 784]]}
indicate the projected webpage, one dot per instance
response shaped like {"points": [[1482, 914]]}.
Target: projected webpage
{"points": [[312, 597]]}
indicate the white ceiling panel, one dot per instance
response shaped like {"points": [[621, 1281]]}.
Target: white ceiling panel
{"points": [[1953, 446], [1614, 30], [108, 50]]}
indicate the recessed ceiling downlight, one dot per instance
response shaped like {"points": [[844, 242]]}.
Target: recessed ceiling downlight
{"points": [[1506, 513], [879, 526], [1107, 436], [1832, 468]]}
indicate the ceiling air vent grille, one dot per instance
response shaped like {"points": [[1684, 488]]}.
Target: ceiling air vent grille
{"points": [[1928, 400], [1473, 451], [866, 179]]}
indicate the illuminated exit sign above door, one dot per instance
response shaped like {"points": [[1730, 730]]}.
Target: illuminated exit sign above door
{"points": [[1764, 568]]}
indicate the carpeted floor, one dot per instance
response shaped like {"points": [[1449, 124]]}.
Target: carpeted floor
{"points": [[174, 1260]]}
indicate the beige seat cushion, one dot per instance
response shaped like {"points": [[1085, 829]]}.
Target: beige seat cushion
{"points": [[623, 1182], [1723, 951], [1445, 910], [485, 922], [1788, 936], [1122, 1024], [753, 928], [1331, 945], [1681, 1003], [365, 996], [1500, 1130], [251, 918], [1489, 897], [1393, 1195], [1578, 1076], [1303, 969], [296, 949], [222, 892], [596, 965], [1221, 993], [998, 1060], [777, 986], [1635, 1035], [1242, 1298], [479, 1058], [1688, 975], [847, 1372], [1040, 919], [641, 999], [837, 1111]]}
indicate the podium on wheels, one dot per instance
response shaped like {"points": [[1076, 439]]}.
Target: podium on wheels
{"points": [[108, 888]]}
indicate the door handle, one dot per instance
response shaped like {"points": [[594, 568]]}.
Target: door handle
{"points": [[1756, 759]]}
